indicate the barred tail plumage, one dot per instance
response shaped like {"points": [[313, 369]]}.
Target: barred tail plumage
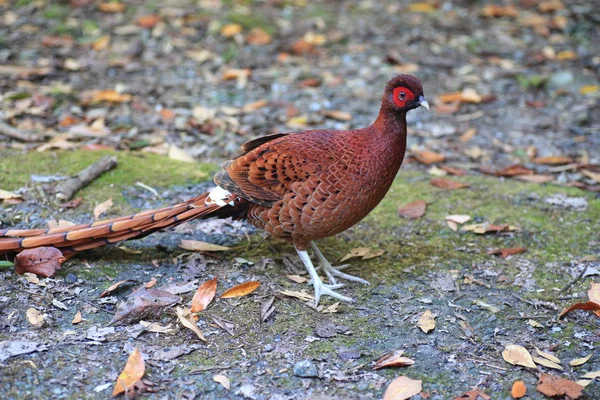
{"points": [[88, 236]]}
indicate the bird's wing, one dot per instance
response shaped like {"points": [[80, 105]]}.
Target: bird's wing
{"points": [[271, 165]]}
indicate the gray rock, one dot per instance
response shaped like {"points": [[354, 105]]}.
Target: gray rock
{"points": [[305, 369]]}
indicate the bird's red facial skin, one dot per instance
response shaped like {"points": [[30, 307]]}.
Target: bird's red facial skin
{"points": [[401, 95]]}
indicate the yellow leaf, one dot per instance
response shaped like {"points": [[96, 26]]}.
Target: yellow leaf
{"points": [[243, 289], [588, 89], [402, 388], [198, 245], [189, 324], [77, 319], [132, 373], [547, 355], [230, 30], [518, 355], [421, 8], [102, 208], [427, 321], [175, 153], [35, 317], [547, 363], [580, 361], [314, 39], [223, 380]]}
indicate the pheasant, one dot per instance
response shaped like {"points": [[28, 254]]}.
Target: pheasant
{"points": [[301, 187]]}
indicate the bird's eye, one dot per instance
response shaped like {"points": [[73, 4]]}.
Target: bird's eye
{"points": [[402, 95]]}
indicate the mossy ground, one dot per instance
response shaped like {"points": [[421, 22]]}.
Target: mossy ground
{"points": [[260, 356]]}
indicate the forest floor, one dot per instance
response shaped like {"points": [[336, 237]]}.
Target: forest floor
{"points": [[174, 90]]}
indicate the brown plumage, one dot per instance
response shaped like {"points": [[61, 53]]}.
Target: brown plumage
{"points": [[298, 186]]}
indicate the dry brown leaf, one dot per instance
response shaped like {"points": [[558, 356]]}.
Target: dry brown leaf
{"points": [[392, 360], [148, 21], [5, 195], [241, 290], [427, 157], [536, 178], [588, 378], [111, 96], [427, 321], [553, 386], [132, 373], [204, 295], [496, 11], [77, 318], [458, 218], [547, 363], [364, 252], [258, 37], [236, 73], [552, 160], [35, 317], [338, 115], [518, 390], [580, 361], [41, 261], [518, 355], [448, 184], [592, 175], [297, 278], [223, 380], [551, 6], [175, 153], [413, 210], [503, 253], [594, 292], [473, 394], [402, 388], [588, 306], [547, 356], [255, 105], [102, 208], [512, 170], [231, 30], [303, 295], [185, 321], [198, 245], [468, 135], [114, 286], [111, 7]]}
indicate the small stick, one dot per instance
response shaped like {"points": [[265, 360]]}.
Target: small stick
{"points": [[18, 134], [67, 189]]}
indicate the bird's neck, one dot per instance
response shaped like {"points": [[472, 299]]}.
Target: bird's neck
{"points": [[391, 126]]}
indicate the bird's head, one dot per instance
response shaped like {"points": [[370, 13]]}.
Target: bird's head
{"points": [[404, 93]]}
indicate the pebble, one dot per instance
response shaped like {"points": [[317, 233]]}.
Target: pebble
{"points": [[305, 369], [71, 278]]}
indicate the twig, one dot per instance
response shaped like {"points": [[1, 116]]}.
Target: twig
{"points": [[66, 189], [579, 277], [18, 134]]}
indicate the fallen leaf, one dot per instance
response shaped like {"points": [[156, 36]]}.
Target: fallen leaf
{"points": [[552, 160], [533, 323], [303, 295], [297, 278], [547, 363], [580, 361], [77, 318], [592, 175], [473, 394], [553, 386], [241, 290], [256, 105], [547, 356], [421, 8], [175, 153], [413, 210], [148, 21], [42, 261], [158, 328], [223, 380], [518, 390], [111, 7], [482, 229], [332, 309], [5, 195], [536, 178], [35, 317], [594, 292], [468, 135], [204, 295], [588, 306], [230, 30], [402, 388], [448, 184], [143, 303], [458, 218], [315, 39], [181, 314], [588, 378], [258, 37], [364, 252], [236, 73], [589, 89], [512, 170], [503, 253], [518, 355], [486, 306], [427, 321], [114, 286], [392, 360], [338, 115], [267, 308], [428, 157], [197, 245], [131, 375], [496, 11], [111, 96], [102, 208], [101, 43], [453, 170]]}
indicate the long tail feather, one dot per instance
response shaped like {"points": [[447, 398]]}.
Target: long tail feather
{"points": [[88, 236]]}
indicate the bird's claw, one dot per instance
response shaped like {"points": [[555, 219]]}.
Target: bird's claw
{"points": [[332, 272], [325, 289]]}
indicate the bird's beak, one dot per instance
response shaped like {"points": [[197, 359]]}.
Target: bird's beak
{"points": [[423, 103]]}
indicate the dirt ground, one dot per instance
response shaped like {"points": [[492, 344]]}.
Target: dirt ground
{"points": [[174, 89]]}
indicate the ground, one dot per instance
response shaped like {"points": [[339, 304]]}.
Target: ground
{"points": [[531, 71]]}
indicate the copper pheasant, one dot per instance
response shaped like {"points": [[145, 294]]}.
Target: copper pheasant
{"points": [[298, 186]]}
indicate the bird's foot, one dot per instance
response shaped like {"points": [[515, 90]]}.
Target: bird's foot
{"points": [[332, 271], [322, 289]]}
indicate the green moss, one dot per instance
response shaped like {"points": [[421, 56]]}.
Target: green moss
{"points": [[151, 169]]}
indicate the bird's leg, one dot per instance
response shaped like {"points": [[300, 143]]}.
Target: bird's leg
{"points": [[332, 271], [320, 287]]}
